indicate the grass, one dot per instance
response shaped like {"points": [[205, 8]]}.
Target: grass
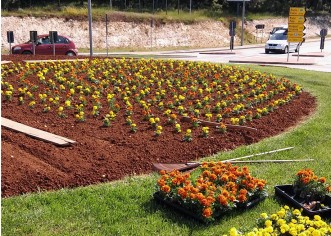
{"points": [[99, 13], [126, 207], [160, 16]]}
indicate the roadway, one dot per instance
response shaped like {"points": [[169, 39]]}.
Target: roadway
{"points": [[311, 57]]}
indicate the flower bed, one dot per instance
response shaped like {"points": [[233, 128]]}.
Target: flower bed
{"points": [[218, 188], [159, 92]]}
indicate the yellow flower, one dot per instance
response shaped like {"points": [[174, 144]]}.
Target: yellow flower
{"points": [[317, 217], [297, 212], [233, 232], [264, 215], [268, 223], [316, 232], [284, 228]]}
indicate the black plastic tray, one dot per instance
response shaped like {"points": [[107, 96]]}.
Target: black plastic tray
{"points": [[286, 192], [189, 213]]}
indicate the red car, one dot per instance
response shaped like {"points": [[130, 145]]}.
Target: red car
{"points": [[63, 46]]}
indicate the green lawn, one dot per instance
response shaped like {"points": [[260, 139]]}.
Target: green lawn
{"points": [[127, 207]]}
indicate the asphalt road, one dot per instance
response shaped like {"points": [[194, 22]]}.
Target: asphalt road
{"points": [[311, 57]]}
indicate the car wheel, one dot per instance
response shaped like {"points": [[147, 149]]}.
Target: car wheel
{"points": [[71, 54], [267, 51], [27, 52], [285, 50]]}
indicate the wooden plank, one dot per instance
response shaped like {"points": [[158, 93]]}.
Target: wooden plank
{"points": [[5, 62], [36, 133]]}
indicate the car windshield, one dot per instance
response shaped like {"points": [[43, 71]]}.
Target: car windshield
{"points": [[278, 36]]}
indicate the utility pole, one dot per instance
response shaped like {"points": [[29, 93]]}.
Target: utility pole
{"points": [[90, 26], [242, 24]]}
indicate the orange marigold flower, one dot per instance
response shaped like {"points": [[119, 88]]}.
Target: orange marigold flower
{"points": [[161, 182], [162, 172], [222, 200], [242, 198], [224, 178], [245, 169], [200, 196], [232, 198], [260, 185], [194, 190], [322, 180], [250, 186], [225, 193], [182, 192], [206, 173], [213, 177], [306, 180], [204, 202], [243, 191], [165, 188], [207, 212]]}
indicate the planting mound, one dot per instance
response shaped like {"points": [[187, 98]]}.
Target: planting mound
{"points": [[125, 114]]}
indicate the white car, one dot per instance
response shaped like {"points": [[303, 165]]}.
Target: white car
{"points": [[278, 43]]}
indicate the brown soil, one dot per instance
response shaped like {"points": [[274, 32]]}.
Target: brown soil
{"points": [[107, 154]]}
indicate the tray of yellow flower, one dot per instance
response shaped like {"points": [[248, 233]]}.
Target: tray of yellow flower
{"points": [[211, 191], [308, 192]]}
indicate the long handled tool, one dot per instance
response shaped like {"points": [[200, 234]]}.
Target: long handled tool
{"points": [[192, 165], [259, 154]]}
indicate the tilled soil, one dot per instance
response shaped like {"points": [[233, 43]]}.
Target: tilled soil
{"points": [[107, 154]]}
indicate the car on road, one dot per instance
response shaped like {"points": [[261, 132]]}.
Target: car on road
{"points": [[43, 46], [280, 27], [278, 43]]}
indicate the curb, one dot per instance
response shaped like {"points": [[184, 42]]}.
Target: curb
{"points": [[271, 62]]}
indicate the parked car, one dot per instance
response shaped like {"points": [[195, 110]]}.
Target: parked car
{"points": [[278, 43], [43, 46]]}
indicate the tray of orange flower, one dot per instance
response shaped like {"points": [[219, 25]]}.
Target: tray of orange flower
{"points": [[212, 190], [309, 207], [309, 192]]}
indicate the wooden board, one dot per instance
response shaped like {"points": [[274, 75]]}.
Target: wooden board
{"points": [[36, 133], [5, 62]]}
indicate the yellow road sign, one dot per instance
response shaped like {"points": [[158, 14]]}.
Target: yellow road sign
{"points": [[296, 19], [293, 39], [297, 11], [296, 27]]}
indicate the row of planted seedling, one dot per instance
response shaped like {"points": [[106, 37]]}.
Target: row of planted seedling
{"points": [[159, 92]]}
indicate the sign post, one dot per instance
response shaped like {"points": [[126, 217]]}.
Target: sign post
{"points": [[152, 25], [10, 39], [53, 38], [296, 27], [232, 33], [33, 39], [107, 33], [242, 18], [323, 33], [259, 29]]}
